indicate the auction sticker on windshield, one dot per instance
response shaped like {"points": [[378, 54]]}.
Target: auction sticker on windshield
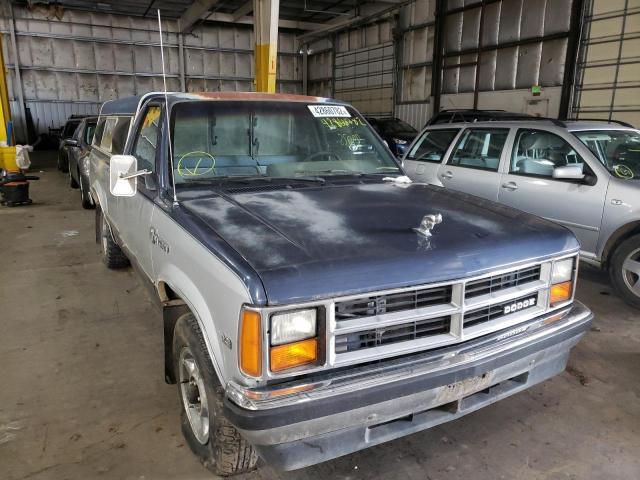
{"points": [[321, 111]]}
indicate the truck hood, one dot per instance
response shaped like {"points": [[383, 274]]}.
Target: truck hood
{"points": [[320, 242]]}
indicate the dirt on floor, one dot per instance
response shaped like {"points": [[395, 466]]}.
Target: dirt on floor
{"points": [[82, 393]]}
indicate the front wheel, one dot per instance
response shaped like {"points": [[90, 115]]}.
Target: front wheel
{"points": [[72, 181], [112, 255], [63, 164], [85, 194], [625, 270], [209, 434]]}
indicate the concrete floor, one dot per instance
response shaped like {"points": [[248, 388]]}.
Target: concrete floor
{"points": [[83, 396]]}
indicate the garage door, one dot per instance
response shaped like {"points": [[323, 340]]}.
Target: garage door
{"points": [[608, 73], [364, 77]]}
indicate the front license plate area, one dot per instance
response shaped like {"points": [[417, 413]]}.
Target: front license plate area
{"points": [[466, 387]]}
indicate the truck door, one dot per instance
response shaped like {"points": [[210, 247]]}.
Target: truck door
{"points": [[528, 184], [136, 212], [426, 154], [473, 164]]}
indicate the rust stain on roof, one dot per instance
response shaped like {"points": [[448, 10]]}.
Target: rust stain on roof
{"points": [[257, 96]]}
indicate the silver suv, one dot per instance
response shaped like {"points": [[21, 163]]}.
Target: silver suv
{"points": [[581, 174]]}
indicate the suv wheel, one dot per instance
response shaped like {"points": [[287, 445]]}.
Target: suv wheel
{"points": [[625, 270], [85, 195], [112, 254], [209, 434]]}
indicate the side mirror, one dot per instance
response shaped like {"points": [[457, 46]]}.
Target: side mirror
{"points": [[123, 172], [70, 142], [573, 172]]}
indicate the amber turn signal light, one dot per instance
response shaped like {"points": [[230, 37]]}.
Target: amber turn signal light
{"points": [[294, 354], [560, 292], [251, 344]]}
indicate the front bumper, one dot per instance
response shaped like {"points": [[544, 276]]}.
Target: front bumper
{"points": [[309, 421]]}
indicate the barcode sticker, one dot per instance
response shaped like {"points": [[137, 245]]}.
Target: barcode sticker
{"points": [[322, 111]]}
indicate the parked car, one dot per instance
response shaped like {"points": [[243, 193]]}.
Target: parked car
{"points": [[78, 148], [397, 133], [67, 132], [583, 175], [473, 115], [315, 301]]}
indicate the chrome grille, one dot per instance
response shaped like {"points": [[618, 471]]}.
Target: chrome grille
{"points": [[392, 302], [496, 283], [382, 324], [493, 312], [392, 334]]}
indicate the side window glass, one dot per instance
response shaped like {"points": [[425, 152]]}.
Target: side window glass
{"points": [[432, 145], [147, 139], [88, 133], [536, 152], [120, 133], [480, 148], [97, 138], [107, 134]]}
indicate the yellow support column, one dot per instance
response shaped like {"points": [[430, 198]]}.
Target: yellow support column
{"points": [[5, 112], [7, 154], [265, 27]]}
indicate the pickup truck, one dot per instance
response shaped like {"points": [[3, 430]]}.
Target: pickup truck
{"points": [[315, 301]]}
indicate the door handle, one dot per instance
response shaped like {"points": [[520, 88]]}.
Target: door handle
{"points": [[447, 175], [510, 186]]}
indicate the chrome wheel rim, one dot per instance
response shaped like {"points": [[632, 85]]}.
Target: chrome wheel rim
{"points": [[194, 396], [631, 272]]}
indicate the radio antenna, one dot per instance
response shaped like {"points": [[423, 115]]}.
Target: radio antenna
{"points": [[166, 113]]}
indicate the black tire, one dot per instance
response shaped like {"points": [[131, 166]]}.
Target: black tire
{"points": [[72, 182], [112, 255], [85, 195], [624, 278], [222, 450]]}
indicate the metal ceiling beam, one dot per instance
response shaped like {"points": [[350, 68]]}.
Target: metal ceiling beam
{"points": [[247, 20], [243, 10], [196, 11], [362, 14]]}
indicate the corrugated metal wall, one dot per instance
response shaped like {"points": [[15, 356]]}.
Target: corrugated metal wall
{"points": [[496, 53], [379, 75], [515, 46], [608, 74], [74, 63]]}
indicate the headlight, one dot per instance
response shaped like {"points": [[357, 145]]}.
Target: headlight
{"points": [[562, 271], [293, 326], [294, 339], [399, 141], [561, 282]]}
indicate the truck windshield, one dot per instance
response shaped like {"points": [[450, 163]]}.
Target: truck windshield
{"points": [[618, 150], [273, 139]]}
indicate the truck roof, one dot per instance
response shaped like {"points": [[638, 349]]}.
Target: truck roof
{"points": [[130, 105]]}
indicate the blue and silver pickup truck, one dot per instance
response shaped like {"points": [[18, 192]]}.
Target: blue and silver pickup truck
{"points": [[316, 301]]}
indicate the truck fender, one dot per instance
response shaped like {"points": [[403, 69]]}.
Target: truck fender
{"points": [[182, 296]]}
